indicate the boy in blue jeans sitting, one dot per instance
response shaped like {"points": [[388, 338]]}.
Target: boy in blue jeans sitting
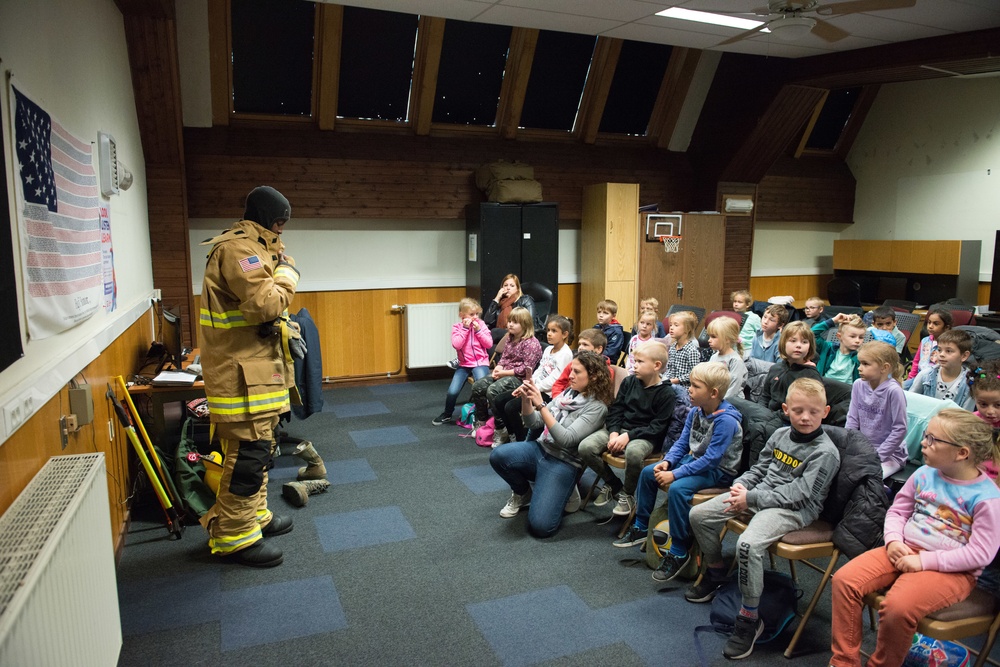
{"points": [[707, 454], [784, 491]]}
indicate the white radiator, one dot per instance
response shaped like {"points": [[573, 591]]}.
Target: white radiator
{"points": [[428, 334], [58, 594]]}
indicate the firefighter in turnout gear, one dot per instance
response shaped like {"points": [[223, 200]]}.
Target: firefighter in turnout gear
{"points": [[248, 287]]}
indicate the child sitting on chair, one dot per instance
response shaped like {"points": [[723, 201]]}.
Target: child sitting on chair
{"points": [[784, 491], [940, 532], [611, 328], [636, 425], [650, 304], [706, 455], [884, 319], [763, 345], [839, 361], [878, 404], [724, 340], [797, 346], [949, 379], [813, 311], [742, 300], [590, 340], [684, 353], [939, 320], [645, 328]]}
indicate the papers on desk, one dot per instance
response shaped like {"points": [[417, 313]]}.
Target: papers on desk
{"points": [[174, 379]]}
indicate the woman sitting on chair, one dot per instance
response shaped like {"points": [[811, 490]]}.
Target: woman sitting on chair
{"points": [[551, 462], [508, 297]]}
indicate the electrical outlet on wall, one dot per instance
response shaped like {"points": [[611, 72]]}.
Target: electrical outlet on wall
{"points": [[18, 411]]}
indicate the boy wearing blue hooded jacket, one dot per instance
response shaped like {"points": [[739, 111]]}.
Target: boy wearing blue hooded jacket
{"points": [[707, 454]]}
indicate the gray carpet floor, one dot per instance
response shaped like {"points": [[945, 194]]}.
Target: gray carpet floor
{"points": [[406, 561]]}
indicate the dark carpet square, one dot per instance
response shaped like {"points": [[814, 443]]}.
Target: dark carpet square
{"points": [[393, 389], [481, 479], [350, 471], [170, 602], [366, 409], [378, 437], [364, 528]]}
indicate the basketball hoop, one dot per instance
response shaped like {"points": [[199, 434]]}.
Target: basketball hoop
{"points": [[671, 243]]}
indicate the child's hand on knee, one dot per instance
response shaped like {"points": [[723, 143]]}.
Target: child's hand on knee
{"points": [[909, 564], [896, 550]]}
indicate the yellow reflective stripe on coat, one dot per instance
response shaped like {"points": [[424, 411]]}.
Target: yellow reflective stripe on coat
{"points": [[224, 405], [231, 543], [227, 320], [289, 272]]}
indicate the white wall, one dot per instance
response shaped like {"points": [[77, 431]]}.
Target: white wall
{"points": [[337, 255], [927, 163], [70, 57]]}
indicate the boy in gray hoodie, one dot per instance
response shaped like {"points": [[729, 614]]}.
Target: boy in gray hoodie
{"points": [[784, 491]]}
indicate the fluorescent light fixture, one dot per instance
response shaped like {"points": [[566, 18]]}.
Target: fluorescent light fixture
{"points": [[708, 17]]}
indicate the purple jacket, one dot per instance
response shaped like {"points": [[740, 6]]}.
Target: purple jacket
{"points": [[472, 346], [521, 357], [880, 414]]}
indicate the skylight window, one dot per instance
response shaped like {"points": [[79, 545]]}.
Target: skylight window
{"points": [[636, 84], [473, 56], [558, 73]]}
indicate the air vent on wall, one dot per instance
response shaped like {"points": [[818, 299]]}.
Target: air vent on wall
{"points": [[108, 155]]}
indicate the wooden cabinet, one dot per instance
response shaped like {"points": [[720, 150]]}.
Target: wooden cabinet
{"points": [[609, 250]]}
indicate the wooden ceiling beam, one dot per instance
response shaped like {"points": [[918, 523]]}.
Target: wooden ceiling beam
{"points": [[595, 91], [517, 72], [670, 98], [219, 55], [430, 40], [330, 37]]}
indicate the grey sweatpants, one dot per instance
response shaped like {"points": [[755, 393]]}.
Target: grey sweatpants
{"points": [[766, 527], [636, 451]]}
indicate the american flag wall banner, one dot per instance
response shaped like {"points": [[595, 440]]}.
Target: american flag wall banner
{"points": [[57, 199]]}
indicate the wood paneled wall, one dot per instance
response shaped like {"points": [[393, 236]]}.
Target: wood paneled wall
{"points": [[801, 287], [25, 452], [345, 175]]}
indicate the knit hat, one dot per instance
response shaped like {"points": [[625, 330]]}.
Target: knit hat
{"points": [[265, 206]]}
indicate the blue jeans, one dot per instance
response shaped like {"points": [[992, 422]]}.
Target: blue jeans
{"points": [[458, 381], [679, 495], [519, 463]]}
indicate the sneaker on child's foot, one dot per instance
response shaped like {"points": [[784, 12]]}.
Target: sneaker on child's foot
{"points": [[633, 536], [500, 437], [670, 566], [443, 418], [745, 633], [574, 502], [626, 504], [704, 589], [515, 504], [604, 496], [453, 364]]}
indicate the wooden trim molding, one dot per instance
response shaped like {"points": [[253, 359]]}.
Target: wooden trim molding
{"points": [[673, 91], [520, 57], [219, 54], [595, 92], [329, 37], [430, 40]]}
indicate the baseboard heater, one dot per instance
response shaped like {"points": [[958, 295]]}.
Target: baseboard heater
{"points": [[58, 592], [428, 334]]}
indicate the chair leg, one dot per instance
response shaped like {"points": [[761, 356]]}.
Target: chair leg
{"points": [[812, 603], [590, 493], [791, 569], [628, 522], [991, 637]]}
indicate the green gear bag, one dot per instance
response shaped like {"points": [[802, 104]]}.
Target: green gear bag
{"points": [[189, 475]]}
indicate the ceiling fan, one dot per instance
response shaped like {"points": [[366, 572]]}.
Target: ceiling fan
{"points": [[788, 20]]}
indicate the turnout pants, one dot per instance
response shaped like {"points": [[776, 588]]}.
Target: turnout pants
{"points": [[240, 511]]}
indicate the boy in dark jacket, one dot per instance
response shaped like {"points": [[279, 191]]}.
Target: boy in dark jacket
{"points": [[785, 491], [635, 427], [611, 328]]}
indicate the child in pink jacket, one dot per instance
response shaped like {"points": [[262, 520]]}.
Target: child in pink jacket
{"points": [[472, 340]]}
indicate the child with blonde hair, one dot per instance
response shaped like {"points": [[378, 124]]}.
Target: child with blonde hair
{"points": [[797, 347], [471, 338], [645, 327], [518, 360], [651, 304], [813, 311], [984, 382], [684, 353], [878, 404], [724, 339], [839, 361], [943, 528], [742, 300]]}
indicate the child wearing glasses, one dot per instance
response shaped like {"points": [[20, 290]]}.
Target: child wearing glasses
{"points": [[878, 404], [943, 528]]}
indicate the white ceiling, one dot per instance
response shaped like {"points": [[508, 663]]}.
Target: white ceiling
{"points": [[637, 20]]}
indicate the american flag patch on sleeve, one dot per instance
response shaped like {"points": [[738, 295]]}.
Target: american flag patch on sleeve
{"points": [[250, 263]]}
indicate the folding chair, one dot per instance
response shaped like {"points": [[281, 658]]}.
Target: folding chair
{"points": [[901, 305], [977, 614], [677, 307], [619, 463]]}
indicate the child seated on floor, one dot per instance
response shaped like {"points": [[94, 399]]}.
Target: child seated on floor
{"points": [[724, 340], [878, 404], [813, 311], [939, 320], [706, 455], [742, 300], [940, 532], [948, 380], [651, 304], [884, 319], [611, 328], [684, 353], [797, 346], [591, 340], [839, 361], [645, 328], [784, 491], [636, 425]]}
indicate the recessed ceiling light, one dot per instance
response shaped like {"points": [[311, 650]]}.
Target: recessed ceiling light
{"points": [[708, 17]]}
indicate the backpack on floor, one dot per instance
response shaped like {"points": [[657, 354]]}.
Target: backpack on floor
{"points": [[929, 652], [484, 434], [467, 417]]}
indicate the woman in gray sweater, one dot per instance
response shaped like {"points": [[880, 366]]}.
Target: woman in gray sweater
{"points": [[551, 462]]}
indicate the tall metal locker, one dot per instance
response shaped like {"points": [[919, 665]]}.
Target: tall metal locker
{"points": [[511, 238]]}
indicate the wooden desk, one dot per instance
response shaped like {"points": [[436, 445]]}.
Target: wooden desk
{"points": [[160, 396]]}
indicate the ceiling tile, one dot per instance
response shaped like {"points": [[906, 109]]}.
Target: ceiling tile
{"points": [[545, 20]]}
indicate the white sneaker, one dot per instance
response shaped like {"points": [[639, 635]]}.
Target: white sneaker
{"points": [[604, 496], [515, 504], [574, 502], [500, 437], [626, 504]]}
